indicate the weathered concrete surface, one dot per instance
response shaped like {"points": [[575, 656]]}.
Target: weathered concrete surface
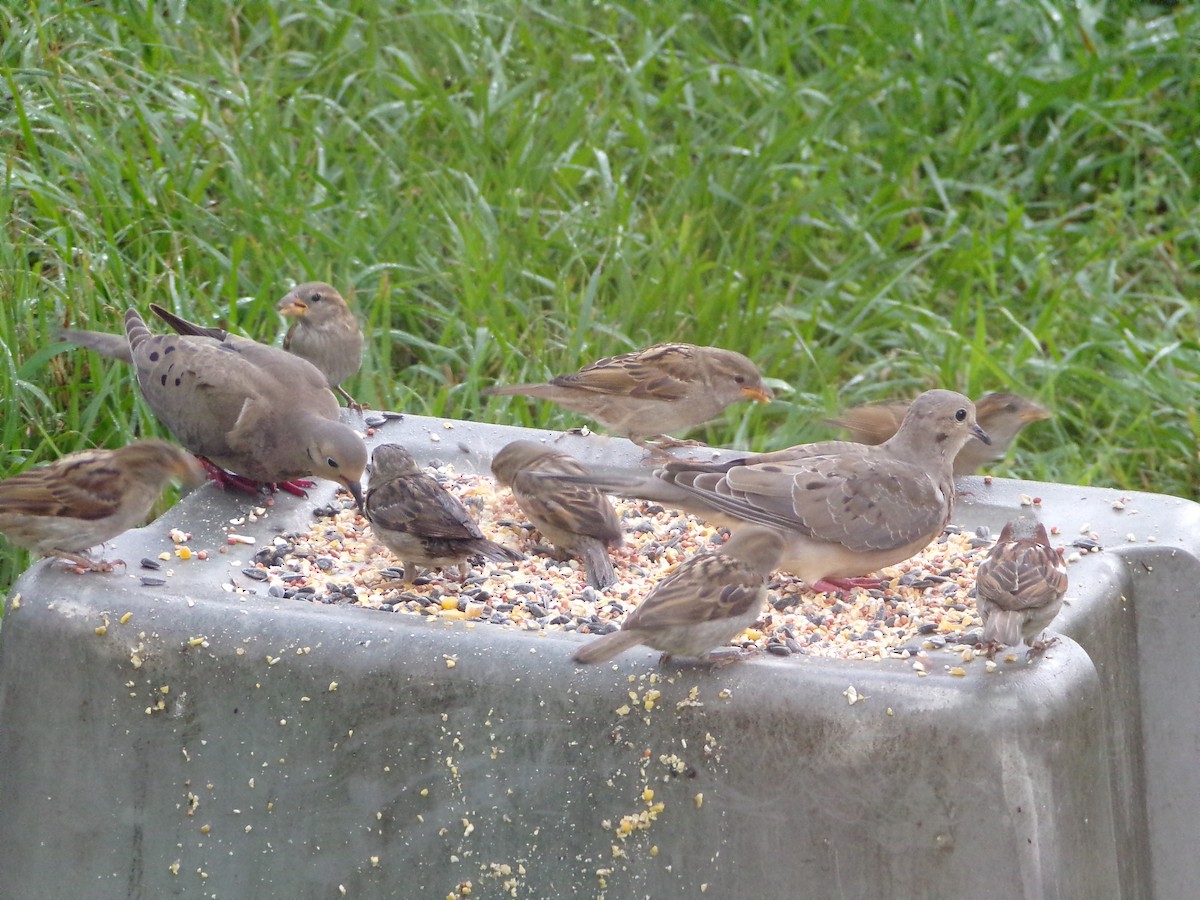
{"points": [[146, 763]]}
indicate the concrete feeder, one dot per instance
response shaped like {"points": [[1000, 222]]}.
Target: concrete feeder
{"points": [[222, 745]]}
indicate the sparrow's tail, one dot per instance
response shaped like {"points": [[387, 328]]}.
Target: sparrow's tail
{"points": [[605, 648], [597, 564], [1003, 627]]}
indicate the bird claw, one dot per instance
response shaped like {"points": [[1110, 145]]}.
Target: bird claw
{"points": [[1039, 647], [223, 479], [661, 443], [351, 403], [720, 657], [80, 564], [831, 585], [295, 486]]}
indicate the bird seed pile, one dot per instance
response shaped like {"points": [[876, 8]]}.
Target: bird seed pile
{"points": [[925, 604]]}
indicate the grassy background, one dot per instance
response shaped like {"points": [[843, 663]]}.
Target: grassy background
{"points": [[869, 197]]}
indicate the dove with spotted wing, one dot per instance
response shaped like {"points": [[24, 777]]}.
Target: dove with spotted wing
{"points": [[844, 509], [246, 408]]}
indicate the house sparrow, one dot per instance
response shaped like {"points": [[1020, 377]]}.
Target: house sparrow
{"points": [[325, 332], [243, 407], [845, 509], [419, 520], [667, 387], [1002, 416], [88, 497], [579, 520], [708, 600], [1019, 586]]}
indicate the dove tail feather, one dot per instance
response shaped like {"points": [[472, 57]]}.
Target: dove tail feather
{"points": [[605, 648], [135, 330], [183, 326], [625, 484], [1003, 627], [114, 346], [597, 564]]}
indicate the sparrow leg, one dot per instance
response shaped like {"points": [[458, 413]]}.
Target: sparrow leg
{"points": [[660, 443], [719, 657], [1038, 647], [826, 585], [350, 401], [83, 564]]}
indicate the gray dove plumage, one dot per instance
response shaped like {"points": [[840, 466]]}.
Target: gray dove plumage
{"points": [[1001, 415], [254, 410], [845, 509]]}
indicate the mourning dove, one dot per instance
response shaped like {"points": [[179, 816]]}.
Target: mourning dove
{"points": [[245, 407], [845, 509], [708, 600], [419, 520], [1002, 416], [577, 519], [667, 387], [88, 497], [1019, 586], [325, 332]]}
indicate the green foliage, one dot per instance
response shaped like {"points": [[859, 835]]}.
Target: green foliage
{"points": [[869, 198]]}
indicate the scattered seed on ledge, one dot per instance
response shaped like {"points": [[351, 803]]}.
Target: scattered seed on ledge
{"points": [[924, 601]]}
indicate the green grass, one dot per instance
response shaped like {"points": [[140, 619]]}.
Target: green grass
{"points": [[870, 198]]}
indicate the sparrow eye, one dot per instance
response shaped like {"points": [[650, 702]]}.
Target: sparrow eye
{"points": [[740, 379], [315, 298], [960, 415]]}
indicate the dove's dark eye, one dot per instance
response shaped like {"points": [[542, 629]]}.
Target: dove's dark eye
{"points": [[331, 462], [960, 415]]}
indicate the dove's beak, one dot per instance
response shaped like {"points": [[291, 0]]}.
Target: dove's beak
{"points": [[981, 434], [757, 394], [289, 306], [355, 488]]}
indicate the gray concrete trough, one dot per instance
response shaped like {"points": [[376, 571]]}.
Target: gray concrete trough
{"points": [[232, 746]]}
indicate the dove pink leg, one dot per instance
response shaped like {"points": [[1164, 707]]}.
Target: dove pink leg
{"points": [[295, 486], [225, 479]]}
